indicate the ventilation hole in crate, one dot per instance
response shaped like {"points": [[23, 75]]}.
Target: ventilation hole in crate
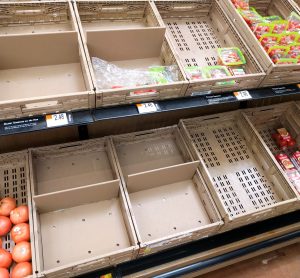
{"points": [[199, 221], [139, 205], [186, 193], [53, 227], [149, 235], [73, 163], [174, 228], [266, 134], [58, 261], [110, 214], [83, 219], [257, 188], [203, 146], [118, 244], [231, 143], [90, 252], [228, 195], [164, 199]]}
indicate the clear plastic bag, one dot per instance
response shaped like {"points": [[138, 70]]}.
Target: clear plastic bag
{"points": [[110, 76]]}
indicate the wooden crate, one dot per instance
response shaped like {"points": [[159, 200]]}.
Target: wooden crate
{"points": [[81, 219], [14, 175], [266, 120], [138, 42], [169, 200], [197, 29], [296, 4], [242, 176], [276, 74], [49, 73]]}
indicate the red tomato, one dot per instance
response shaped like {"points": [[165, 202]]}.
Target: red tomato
{"points": [[7, 205], [4, 273], [5, 258], [19, 215], [22, 270], [22, 252], [5, 225], [20, 232]]}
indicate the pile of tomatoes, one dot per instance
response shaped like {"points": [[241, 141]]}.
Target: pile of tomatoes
{"points": [[11, 215]]}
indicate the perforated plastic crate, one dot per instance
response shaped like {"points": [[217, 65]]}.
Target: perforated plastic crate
{"points": [[49, 73], [276, 74], [244, 179], [138, 43], [197, 29], [266, 120], [14, 175], [159, 175], [77, 191]]}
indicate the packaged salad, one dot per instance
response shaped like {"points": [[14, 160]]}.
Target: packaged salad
{"points": [[217, 71], [262, 28], [269, 40], [231, 56], [277, 52], [294, 50]]}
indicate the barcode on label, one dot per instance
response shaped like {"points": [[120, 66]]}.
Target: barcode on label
{"points": [[242, 95]]}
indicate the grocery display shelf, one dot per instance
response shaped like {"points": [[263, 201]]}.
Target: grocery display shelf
{"points": [[256, 97], [251, 233]]}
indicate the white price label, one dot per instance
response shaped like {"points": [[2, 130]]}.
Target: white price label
{"points": [[57, 119], [242, 95], [146, 107]]}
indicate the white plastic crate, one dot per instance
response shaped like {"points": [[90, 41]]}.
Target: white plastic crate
{"points": [[276, 74], [159, 175], [138, 43], [197, 29], [267, 119], [77, 191], [49, 73], [245, 181], [14, 175]]}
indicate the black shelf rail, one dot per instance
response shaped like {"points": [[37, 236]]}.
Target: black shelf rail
{"points": [[206, 244], [258, 97]]}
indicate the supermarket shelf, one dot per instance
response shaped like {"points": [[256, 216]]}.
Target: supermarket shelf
{"points": [[259, 97], [252, 238]]}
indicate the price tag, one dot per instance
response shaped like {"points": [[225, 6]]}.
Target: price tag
{"points": [[148, 107], [242, 95], [57, 119]]}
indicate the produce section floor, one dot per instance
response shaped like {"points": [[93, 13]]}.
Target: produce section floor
{"points": [[282, 263]]}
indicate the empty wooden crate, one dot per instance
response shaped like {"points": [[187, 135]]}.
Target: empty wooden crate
{"points": [[197, 29], [77, 194], [128, 36], [246, 183], [169, 201], [43, 67], [14, 177], [266, 120], [276, 73]]}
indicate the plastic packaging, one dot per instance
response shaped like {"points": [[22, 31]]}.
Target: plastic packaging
{"points": [[269, 40], [280, 26], [272, 18], [262, 28], [286, 61], [217, 72], [241, 4], [110, 76], [251, 16], [231, 56], [277, 52], [294, 22], [288, 38], [195, 73]]}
